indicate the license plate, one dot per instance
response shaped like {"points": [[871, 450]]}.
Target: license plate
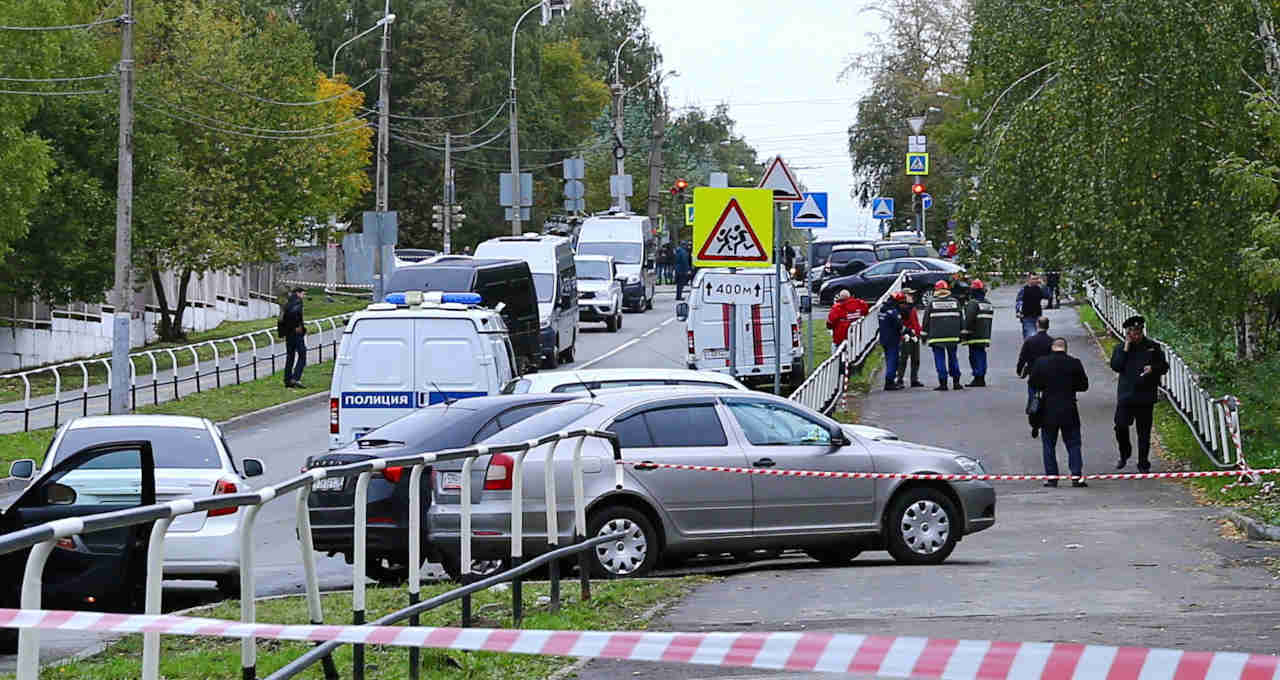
{"points": [[452, 481], [328, 484], [715, 354]]}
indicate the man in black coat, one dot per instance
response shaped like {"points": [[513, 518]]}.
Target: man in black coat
{"points": [[1034, 347], [1140, 363], [1060, 376], [294, 331]]}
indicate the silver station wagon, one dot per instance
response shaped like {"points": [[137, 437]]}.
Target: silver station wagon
{"points": [[669, 514]]}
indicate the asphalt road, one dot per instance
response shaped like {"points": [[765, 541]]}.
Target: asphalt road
{"points": [[1119, 563]]}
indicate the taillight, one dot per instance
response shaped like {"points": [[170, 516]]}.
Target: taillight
{"points": [[224, 486], [333, 416], [497, 477], [67, 543], [795, 335], [690, 334], [393, 474]]}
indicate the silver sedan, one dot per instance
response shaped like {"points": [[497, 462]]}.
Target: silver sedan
{"points": [[672, 513]]}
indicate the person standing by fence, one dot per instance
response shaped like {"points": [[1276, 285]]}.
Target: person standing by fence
{"points": [[909, 350], [1140, 363], [1059, 377], [844, 313], [293, 329]]}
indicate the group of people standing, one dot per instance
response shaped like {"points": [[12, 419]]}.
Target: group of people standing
{"points": [[1055, 377]]}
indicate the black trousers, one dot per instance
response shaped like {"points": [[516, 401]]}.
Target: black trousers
{"points": [[1130, 415]]}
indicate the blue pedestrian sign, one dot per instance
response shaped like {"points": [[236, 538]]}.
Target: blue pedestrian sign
{"points": [[917, 163], [810, 213], [926, 201], [882, 208]]}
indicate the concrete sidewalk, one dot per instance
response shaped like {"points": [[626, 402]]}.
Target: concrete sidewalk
{"points": [[1119, 563], [160, 388]]}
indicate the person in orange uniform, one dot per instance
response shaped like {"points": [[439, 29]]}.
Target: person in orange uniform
{"points": [[843, 314]]}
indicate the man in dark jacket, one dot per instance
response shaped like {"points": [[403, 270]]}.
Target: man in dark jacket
{"points": [[1140, 363], [294, 332], [1060, 376], [1030, 305], [977, 331], [684, 268], [1034, 347], [943, 321], [891, 339]]}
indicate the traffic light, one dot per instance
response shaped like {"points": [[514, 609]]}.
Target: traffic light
{"points": [[917, 189], [678, 188]]}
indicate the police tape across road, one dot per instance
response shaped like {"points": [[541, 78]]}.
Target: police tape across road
{"points": [[866, 655], [769, 472]]}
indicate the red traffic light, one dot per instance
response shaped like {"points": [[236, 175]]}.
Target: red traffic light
{"points": [[917, 189], [681, 185]]}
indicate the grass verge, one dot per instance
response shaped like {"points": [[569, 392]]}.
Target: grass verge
{"points": [[43, 384], [614, 605], [215, 404], [1178, 445]]}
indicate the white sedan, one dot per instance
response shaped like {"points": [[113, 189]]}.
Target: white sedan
{"points": [[192, 459]]}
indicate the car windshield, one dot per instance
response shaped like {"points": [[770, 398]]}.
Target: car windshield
{"points": [[544, 423], [173, 447], [595, 270], [443, 279], [546, 285], [517, 386], [891, 253], [622, 253], [845, 256], [425, 427]]}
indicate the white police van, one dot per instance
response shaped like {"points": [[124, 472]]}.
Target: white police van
{"points": [[412, 351]]}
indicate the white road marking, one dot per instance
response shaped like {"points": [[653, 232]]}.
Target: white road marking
{"points": [[611, 352]]}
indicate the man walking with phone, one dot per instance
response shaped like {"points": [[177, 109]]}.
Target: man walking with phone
{"points": [[1140, 363]]}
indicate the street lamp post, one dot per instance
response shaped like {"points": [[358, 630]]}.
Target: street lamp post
{"points": [[516, 199], [619, 96]]}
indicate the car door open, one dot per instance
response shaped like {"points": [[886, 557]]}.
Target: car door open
{"points": [[103, 569]]}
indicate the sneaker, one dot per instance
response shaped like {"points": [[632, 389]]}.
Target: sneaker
{"points": [[1035, 432], [1124, 460], [891, 387], [1052, 483], [917, 383], [941, 388], [1078, 484], [1144, 469]]}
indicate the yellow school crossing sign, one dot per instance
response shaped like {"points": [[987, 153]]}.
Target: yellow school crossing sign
{"points": [[732, 227]]}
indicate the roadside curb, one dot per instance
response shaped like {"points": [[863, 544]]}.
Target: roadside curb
{"points": [[258, 417], [1252, 528]]}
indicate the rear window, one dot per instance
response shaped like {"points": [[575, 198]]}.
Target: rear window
{"points": [[444, 279], [173, 447], [427, 429], [544, 423], [517, 386]]}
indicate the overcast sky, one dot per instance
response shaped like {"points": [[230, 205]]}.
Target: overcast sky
{"points": [[777, 64]]}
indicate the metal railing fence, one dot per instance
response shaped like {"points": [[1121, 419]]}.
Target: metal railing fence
{"points": [[822, 390], [265, 354], [43, 538], [1215, 421]]}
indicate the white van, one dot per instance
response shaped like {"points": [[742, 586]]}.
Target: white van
{"points": [[555, 279], [413, 351], [707, 328], [629, 239]]}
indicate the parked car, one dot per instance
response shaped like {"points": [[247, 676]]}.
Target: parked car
{"points": [[103, 570], [192, 458], [822, 250], [892, 250], [407, 256], [629, 239], [451, 425], [599, 290], [844, 260], [596, 379], [872, 282], [674, 513]]}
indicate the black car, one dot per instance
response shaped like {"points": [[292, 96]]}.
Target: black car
{"points": [[435, 428], [892, 250], [845, 259], [872, 282]]}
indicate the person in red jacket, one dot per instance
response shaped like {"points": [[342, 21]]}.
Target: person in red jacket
{"points": [[844, 313], [909, 350]]}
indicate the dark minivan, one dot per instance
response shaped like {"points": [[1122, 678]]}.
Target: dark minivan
{"points": [[497, 281]]}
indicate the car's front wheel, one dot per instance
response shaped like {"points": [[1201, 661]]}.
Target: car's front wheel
{"points": [[633, 554], [922, 527]]}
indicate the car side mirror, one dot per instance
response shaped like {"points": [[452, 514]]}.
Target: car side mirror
{"points": [[682, 311], [252, 467], [59, 494], [806, 304], [839, 438], [22, 469]]}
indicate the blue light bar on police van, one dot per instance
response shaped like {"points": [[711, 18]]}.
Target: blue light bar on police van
{"points": [[461, 298], [395, 299]]}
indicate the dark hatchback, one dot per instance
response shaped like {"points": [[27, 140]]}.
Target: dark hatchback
{"points": [[435, 428], [872, 282]]}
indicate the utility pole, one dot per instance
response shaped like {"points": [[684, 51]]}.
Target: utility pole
{"points": [[448, 192], [659, 130], [120, 369], [516, 199], [384, 114]]}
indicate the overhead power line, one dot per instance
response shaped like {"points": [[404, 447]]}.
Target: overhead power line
{"points": [[248, 128], [66, 93], [276, 102], [63, 79], [68, 27], [452, 116], [239, 133]]}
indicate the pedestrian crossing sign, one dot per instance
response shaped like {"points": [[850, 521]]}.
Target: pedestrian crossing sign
{"points": [[733, 227], [917, 164], [688, 214], [882, 208]]}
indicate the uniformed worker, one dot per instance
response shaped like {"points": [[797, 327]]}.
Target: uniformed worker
{"points": [[890, 318], [943, 321], [977, 331]]}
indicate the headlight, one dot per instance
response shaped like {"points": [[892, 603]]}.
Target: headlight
{"points": [[633, 279], [971, 466]]}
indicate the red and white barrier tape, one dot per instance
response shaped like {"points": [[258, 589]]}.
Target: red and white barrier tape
{"points": [[769, 472], [867, 655]]}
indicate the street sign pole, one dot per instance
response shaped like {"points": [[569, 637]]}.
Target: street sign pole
{"points": [[808, 262], [733, 335]]}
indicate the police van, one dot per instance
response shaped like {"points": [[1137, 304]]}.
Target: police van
{"points": [[748, 354], [408, 352]]}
